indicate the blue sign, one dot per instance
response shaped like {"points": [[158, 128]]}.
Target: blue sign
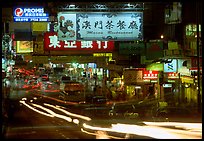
{"points": [[30, 15]]}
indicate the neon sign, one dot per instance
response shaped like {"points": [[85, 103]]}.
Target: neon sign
{"points": [[52, 43], [30, 14]]}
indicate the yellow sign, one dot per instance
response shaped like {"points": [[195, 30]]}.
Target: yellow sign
{"points": [[186, 79], [24, 46], [39, 26], [172, 45], [102, 54]]}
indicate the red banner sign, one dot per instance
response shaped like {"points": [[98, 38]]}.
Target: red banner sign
{"points": [[51, 43], [150, 74]]}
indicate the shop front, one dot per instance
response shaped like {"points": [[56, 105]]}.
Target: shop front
{"points": [[189, 90]]}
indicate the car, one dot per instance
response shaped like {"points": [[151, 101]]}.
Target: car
{"points": [[45, 77], [123, 111], [65, 79], [96, 106], [172, 113], [71, 87], [97, 100]]}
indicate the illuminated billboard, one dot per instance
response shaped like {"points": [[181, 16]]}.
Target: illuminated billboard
{"points": [[52, 43], [171, 66], [24, 46], [102, 26], [34, 14]]}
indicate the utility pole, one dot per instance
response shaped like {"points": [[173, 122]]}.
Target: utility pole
{"points": [[198, 16]]}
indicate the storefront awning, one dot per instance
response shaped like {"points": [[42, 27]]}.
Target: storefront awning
{"points": [[155, 67]]}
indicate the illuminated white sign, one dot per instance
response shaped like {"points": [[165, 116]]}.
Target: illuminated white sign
{"points": [[30, 14], [167, 85], [171, 66], [100, 26]]}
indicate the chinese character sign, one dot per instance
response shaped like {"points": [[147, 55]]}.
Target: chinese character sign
{"points": [[100, 26], [52, 43]]}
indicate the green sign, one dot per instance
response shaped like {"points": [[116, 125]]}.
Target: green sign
{"points": [[155, 67], [132, 48], [154, 50]]}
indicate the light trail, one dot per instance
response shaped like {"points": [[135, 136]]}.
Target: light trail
{"points": [[53, 113], [149, 131], [157, 130], [43, 113], [68, 113], [188, 126], [99, 135]]}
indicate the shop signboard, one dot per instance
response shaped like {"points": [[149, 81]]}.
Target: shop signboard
{"points": [[184, 62], [147, 74], [183, 66], [132, 48], [167, 85], [132, 76], [100, 26], [154, 50], [24, 47], [187, 79], [52, 43], [39, 26], [171, 66], [173, 45], [30, 14], [172, 75], [155, 67]]}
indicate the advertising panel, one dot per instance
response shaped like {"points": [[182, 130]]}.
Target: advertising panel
{"points": [[132, 76], [33, 14], [150, 74], [24, 46], [39, 26], [171, 67], [100, 26], [52, 43], [154, 50], [132, 48]]}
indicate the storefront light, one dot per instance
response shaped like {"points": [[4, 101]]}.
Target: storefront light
{"points": [[187, 85], [138, 87]]}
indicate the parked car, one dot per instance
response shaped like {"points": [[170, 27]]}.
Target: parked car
{"points": [[123, 111], [45, 77], [96, 100], [65, 79], [171, 113], [71, 87], [96, 106]]}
